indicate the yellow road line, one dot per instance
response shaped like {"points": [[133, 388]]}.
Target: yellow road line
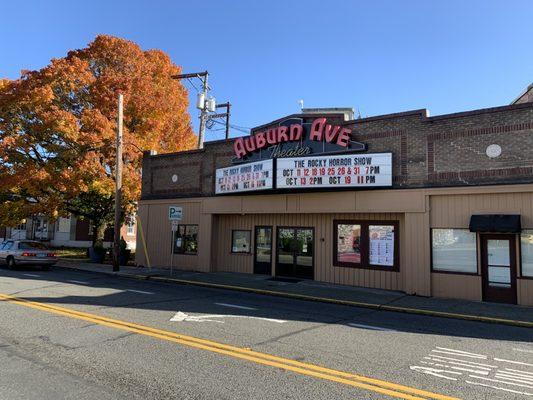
{"points": [[359, 381]]}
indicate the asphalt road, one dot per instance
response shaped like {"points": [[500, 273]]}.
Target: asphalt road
{"points": [[51, 353]]}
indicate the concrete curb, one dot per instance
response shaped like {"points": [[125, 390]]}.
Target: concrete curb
{"points": [[373, 306]]}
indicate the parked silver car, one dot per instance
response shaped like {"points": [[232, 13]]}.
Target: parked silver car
{"points": [[26, 252]]}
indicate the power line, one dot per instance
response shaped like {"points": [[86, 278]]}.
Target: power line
{"points": [[192, 84], [242, 127], [236, 127]]}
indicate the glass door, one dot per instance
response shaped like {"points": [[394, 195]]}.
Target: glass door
{"points": [[295, 253], [285, 253], [499, 268], [303, 267], [263, 250]]}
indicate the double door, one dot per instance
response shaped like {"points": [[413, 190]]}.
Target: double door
{"points": [[294, 256]]}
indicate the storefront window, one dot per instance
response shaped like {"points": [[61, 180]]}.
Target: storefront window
{"points": [[454, 250], [186, 239], [349, 243], [364, 244], [526, 241], [240, 241]]}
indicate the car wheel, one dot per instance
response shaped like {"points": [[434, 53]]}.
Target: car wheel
{"points": [[11, 263]]}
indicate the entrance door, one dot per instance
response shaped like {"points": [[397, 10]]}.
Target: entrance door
{"points": [[295, 253], [499, 268], [263, 250]]}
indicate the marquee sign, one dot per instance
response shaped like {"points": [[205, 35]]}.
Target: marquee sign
{"points": [[293, 137], [330, 171], [350, 170], [244, 177], [302, 152]]}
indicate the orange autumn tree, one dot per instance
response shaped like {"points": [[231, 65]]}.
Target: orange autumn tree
{"points": [[58, 126]]}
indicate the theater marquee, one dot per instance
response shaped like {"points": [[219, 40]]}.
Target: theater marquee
{"points": [[332, 171], [350, 170], [244, 177]]}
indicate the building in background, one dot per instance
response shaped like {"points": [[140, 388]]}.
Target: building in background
{"points": [[65, 232]]}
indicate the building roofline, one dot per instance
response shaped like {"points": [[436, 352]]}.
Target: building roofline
{"points": [[300, 115], [423, 114], [527, 89]]}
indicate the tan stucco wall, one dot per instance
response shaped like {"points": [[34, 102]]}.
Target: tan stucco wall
{"points": [[323, 248], [467, 287], [418, 210]]}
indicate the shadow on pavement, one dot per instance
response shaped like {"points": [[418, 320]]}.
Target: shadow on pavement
{"points": [[81, 288]]}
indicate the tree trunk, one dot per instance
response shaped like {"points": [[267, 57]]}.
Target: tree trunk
{"points": [[98, 231]]}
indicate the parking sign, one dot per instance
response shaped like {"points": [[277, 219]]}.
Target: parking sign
{"points": [[175, 213]]}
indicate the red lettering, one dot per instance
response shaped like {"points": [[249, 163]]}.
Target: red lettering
{"points": [[272, 136], [344, 137], [316, 129], [320, 131], [296, 132], [260, 140], [282, 131], [249, 143], [332, 132], [238, 147], [282, 134]]}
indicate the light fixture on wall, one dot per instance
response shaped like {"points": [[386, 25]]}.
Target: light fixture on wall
{"points": [[493, 151]]}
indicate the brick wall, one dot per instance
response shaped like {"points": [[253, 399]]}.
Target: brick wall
{"points": [[447, 150]]}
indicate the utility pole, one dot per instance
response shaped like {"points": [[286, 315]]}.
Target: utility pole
{"points": [[227, 106], [118, 184], [202, 102], [203, 113]]}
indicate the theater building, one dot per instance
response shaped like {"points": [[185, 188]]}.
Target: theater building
{"points": [[434, 206]]}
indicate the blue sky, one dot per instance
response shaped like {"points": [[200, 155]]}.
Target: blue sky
{"points": [[263, 56]]}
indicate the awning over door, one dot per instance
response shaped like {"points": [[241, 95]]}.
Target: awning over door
{"points": [[496, 223]]}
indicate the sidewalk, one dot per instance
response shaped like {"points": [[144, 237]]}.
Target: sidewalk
{"points": [[377, 299]]}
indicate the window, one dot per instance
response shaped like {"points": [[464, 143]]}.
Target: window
{"points": [[20, 227], [185, 239], [526, 243], [130, 231], [366, 244], [349, 243], [454, 250], [240, 241], [63, 225], [32, 246]]}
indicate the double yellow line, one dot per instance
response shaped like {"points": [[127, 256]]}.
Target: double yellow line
{"points": [[358, 381]]}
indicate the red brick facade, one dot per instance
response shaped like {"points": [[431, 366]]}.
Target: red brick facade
{"points": [[446, 150]]}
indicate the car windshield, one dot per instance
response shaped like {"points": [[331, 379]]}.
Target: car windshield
{"points": [[32, 246]]}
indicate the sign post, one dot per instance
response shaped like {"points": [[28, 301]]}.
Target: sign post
{"points": [[175, 214], [174, 229]]}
